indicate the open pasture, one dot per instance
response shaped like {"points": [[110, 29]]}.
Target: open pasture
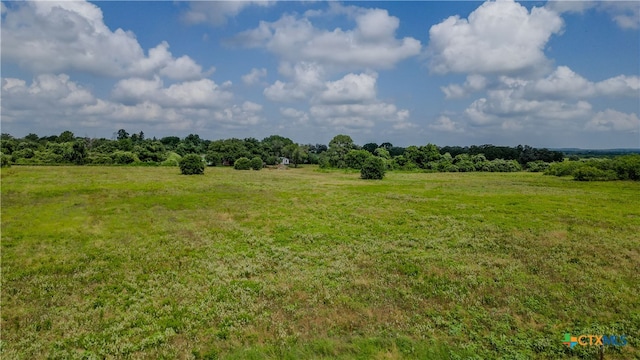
{"points": [[137, 262]]}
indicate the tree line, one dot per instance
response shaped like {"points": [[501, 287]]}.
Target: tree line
{"points": [[341, 152]]}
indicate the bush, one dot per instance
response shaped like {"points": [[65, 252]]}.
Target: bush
{"points": [[590, 173], [373, 168], [627, 167], [6, 161], [242, 163], [537, 166], [564, 168], [256, 163], [173, 159], [192, 164], [124, 157]]}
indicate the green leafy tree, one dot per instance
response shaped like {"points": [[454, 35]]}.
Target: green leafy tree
{"points": [[370, 147], [229, 150], [355, 159], [122, 134], [274, 145], [170, 142], [66, 136], [296, 153], [383, 153], [213, 158], [78, 152], [339, 146], [374, 168], [191, 164]]}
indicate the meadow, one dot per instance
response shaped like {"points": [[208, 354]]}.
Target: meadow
{"points": [[145, 263]]}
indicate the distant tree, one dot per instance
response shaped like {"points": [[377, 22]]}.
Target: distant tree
{"points": [[213, 158], [339, 146], [382, 152], [192, 144], [374, 168], [150, 151], [254, 147], [395, 150], [386, 145], [170, 142], [256, 163], [32, 137], [66, 136], [79, 152], [122, 134], [274, 145], [320, 148], [191, 164], [229, 150], [370, 147], [296, 153]]}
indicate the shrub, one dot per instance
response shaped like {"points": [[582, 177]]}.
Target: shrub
{"points": [[124, 157], [537, 166], [6, 161], [272, 160], [627, 167], [590, 173], [373, 168], [192, 164], [564, 168], [256, 163], [242, 163], [173, 159]]}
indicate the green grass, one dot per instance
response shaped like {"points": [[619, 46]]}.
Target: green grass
{"points": [[129, 262]]}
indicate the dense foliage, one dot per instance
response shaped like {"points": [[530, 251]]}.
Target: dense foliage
{"points": [[373, 169], [256, 163], [242, 163], [626, 167], [341, 153], [192, 164]]}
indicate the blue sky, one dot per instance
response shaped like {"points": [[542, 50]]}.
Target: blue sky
{"points": [[547, 74]]}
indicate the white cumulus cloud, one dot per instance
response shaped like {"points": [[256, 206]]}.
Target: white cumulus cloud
{"points": [[254, 76], [216, 13], [50, 36], [610, 119], [500, 36], [371, 44]]}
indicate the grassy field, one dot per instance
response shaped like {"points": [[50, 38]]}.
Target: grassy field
{"points": [[131, 262]]}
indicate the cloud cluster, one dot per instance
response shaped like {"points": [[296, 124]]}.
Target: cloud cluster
{"points": [[501, 48], [371, 44], [216, 13], [498, 37], [51, 37], [626, 14], [309, 56]]}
